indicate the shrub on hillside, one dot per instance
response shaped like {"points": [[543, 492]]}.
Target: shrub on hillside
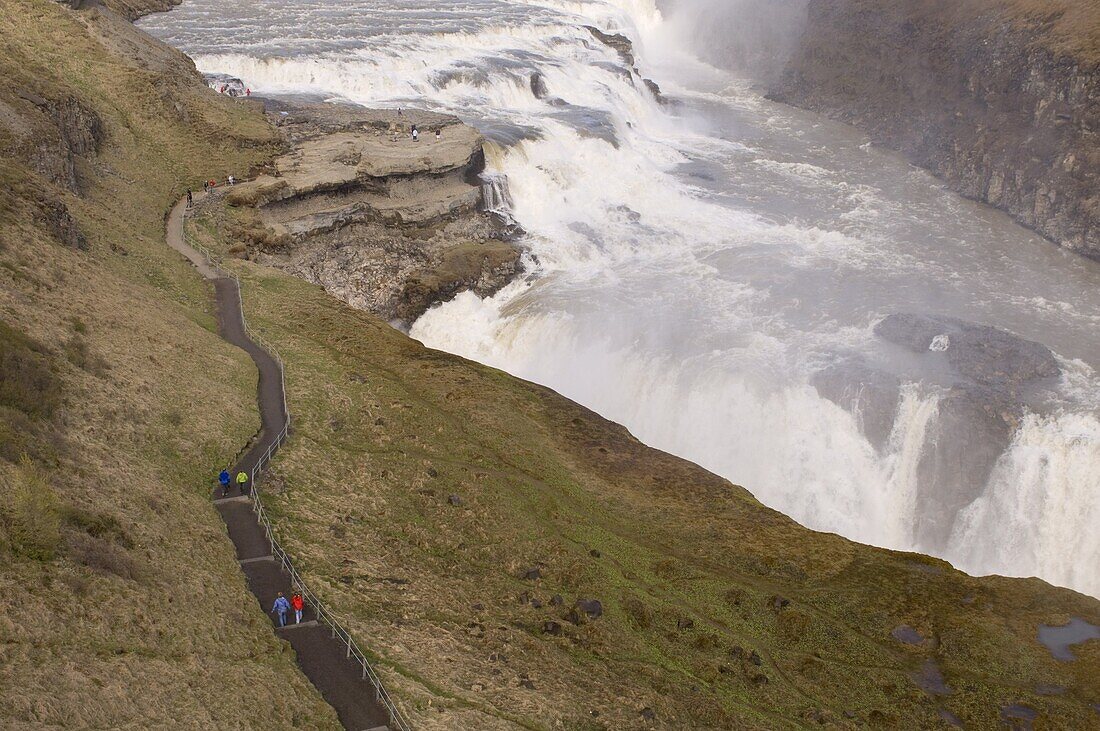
{"points": [[33, 522]]}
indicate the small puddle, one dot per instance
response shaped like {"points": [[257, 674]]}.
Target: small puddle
{"points": [[1059, 639]]}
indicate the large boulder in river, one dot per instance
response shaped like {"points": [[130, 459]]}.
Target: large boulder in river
{"points": [[870, 394], [982, 377], [988, 372], [984, 355]]}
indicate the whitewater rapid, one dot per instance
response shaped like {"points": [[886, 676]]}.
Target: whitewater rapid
{"points": [[694, 264]]}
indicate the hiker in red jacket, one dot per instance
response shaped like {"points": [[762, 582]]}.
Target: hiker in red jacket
{"points": [[298, 604]]}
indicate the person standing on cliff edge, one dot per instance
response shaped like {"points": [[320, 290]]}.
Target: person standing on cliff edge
{"points": [[415, 134]]}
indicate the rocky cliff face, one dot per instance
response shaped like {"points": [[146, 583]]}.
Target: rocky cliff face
{"points": [[386, 223], [999, 99]]}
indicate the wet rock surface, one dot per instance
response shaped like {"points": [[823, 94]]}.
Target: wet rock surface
{"points": [[983, 355], [999, 101], [982, 375]]}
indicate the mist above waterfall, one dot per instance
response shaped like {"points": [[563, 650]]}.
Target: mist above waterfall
{"points": [[713, 273], [749, 37]]}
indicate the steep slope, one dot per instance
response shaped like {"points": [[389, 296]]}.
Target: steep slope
{"points": [[1000, 98], [518, 562], [121, 605]]}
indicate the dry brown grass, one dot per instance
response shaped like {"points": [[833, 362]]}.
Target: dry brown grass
{"points": [[691, 570], [1069, 27], [121, 604]]}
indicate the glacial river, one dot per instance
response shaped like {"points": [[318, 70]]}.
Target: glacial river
{"points": [[698, 266]]}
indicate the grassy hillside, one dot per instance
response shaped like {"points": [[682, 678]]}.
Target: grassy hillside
{"points": [[421, 493], [121, 605]]}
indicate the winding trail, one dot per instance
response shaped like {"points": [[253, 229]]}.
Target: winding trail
{"points": [[321, 656]]}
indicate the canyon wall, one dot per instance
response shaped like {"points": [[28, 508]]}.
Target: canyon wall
{"points": [[999, 98]]}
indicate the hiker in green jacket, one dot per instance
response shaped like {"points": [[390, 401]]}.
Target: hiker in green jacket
{"points": [[242, 482]]}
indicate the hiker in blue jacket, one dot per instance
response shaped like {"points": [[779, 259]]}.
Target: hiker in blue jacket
{"points": [[282, 606], [224, 479]]}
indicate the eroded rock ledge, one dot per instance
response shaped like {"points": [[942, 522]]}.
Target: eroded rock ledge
{"points": [[385, 223]]}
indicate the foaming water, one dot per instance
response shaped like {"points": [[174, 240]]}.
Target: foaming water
{"points": [[698, 265]]}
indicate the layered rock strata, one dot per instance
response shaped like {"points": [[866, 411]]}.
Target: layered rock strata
{"points": [[999, 98], [386, 223]]}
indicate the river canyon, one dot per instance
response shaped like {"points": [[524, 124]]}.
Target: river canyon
{"points": [[742, 283]]}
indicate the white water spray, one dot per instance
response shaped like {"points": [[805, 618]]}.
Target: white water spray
{"points": [[698, 263]]}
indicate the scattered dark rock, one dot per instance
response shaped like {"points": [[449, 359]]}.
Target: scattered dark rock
{"points": [[594, 553], [454, 500], [755, 659], [950, 717], [734, 597], [432, 472], [648, 714], [536, 603], [55, 216], [684, 623], [549, 627], [591, 608], [379, 421], [525, 598], [737, 652], [930, 679], [532, 574], [538, 86], [725, 669], [779, 603], [478, 607], [525, 683], [426, 492], [849, 714], [906, 634], [1019, 712], [759, 679], [557, 600]]}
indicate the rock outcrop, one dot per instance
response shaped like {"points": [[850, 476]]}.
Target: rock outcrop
{"points": [[999, 98], [984, 377], [388, 224]]}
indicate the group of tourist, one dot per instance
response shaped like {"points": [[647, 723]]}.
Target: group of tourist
{"points": [[241, 480], [282, 607]]}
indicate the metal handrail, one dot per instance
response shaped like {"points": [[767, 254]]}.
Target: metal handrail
{"points": [[281, 556]]}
